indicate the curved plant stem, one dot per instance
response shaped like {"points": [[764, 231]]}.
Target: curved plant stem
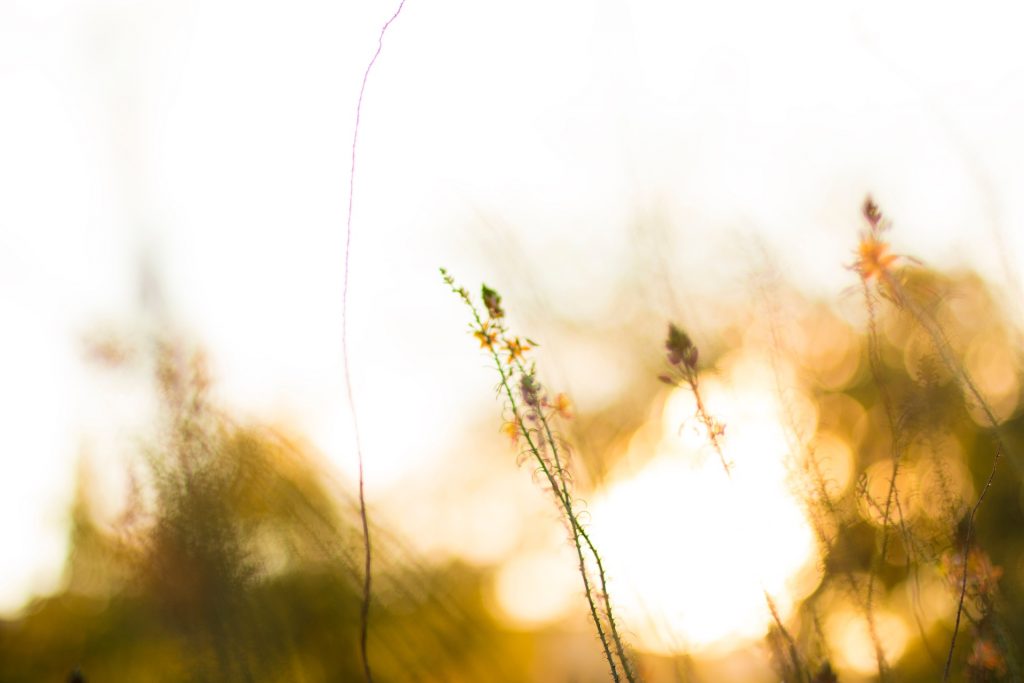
{"points": [[580, 532], [555, 477], [566, 505], [817, 482], [364, 610], [968, 387], [714, 433], [963, 580], [875, 364], [712, 428]]}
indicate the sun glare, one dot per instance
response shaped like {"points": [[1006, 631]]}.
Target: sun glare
{"points": [[535, 589], [856, 651], [692, 552]]}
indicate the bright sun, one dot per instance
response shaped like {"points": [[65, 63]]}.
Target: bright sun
{"points": [[692, 552]]}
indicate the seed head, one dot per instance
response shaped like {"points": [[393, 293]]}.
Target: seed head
{"points": [[492, 300], [680, 348], [529, 387], [872, 213]]}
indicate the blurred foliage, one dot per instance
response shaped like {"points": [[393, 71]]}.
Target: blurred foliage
{"points": [[236, 558], [233, 561], [911, 566], [842, 464]]}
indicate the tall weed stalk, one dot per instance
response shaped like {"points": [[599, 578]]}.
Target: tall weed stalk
{"points": [[876, 263], [531, 411], [682, 355], [364, 611]]}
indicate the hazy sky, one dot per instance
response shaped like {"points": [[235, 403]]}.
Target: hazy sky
{"points": [[211, 139]]}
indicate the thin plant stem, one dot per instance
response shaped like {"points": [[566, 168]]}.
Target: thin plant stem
{"points": [[817, 481], [967, 384], [581, 532], [813, 467], [567, 509], [709, 423], [364, 609], [875, 364], [875, 261], [963, 579], [687, 366], [557, 484]]}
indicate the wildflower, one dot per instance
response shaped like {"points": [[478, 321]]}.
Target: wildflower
{"points": [[529, 387], [562, 405], [873, 257], [982, 576], [511, 429], [516, 349], [548, 452], [985, 655], [493, 303], [486, 336]]}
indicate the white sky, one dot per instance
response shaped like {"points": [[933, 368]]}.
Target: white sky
{"points": [[215, 136]]}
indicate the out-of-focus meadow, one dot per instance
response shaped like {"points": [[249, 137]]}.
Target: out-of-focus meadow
{"points": [[235, 552], [825, 484]]}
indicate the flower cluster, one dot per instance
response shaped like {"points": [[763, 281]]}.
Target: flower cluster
{"points": [[530, 411], [511, 354], [985, 660], [981, 586], [874, 260], [682, 357], [535, 400], [982, 576]]}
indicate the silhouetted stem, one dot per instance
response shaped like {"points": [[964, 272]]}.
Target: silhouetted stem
{"points": [[364, 610], [579, 531], [557, 487], [963, 580]]}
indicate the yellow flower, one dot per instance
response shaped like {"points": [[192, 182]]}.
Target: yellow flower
{"points": [[874, 259], [562, 406], [511, 429], [515, 349], [486, 336]]}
